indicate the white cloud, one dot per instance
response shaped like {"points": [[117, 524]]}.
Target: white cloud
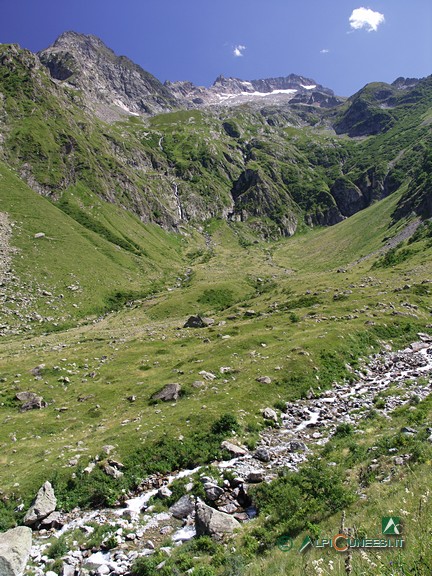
{"points": [[238, 50], [366, 18], [324, 51]]}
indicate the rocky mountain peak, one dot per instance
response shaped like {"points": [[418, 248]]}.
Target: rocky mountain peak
{"points": [[111, 85], [402, 83]]}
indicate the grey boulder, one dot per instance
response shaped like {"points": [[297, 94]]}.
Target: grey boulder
{"points": [[168, 393], [262, 454], [211, 522], [30, 401], [198, 322], [233, 448], [270, 414], [183, 507], [44, 504], [15, 548]]}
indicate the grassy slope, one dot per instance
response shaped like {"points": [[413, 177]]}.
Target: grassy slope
{"points": [[144, 348], [71, 254]]}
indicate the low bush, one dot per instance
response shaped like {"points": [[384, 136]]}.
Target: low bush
{"points": [[310, 495]]}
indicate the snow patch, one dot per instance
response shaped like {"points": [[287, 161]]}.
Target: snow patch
{"points": [[311, 87], [123, 106]]}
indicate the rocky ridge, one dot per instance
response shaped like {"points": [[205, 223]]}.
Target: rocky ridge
{"points": [[113, 86], [300, 427], [292, 89]]}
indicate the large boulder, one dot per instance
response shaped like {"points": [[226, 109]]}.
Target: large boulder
{"points": [[44, 504], [168, 393], [15, 548], [198, 322], [183, 507], [211, 522]]}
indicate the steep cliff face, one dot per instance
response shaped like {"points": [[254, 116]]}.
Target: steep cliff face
{"points": [[111, 85]]}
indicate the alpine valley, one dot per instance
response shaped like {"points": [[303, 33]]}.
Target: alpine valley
{"points": [[215, 321]]}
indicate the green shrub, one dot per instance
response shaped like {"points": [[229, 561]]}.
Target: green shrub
{"points": [[393, 257], [58, 548], [100, 532], [144, 566], [204, 545], [7, 515], [310, 495], [343, 430], [204, 571], [226, 424]]}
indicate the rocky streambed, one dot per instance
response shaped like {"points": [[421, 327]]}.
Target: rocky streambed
{"points": [[138, 528]]}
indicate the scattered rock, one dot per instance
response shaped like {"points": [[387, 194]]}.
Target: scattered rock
{"points": [[264, 380], [37, 370], [213, 491], [44, 504], [211, 522], [207, 375], [168, 393], [250, 313], [15, 546], [409, 431], [255, 476], [68, 570], [111, 470], [53, 520], [270, 414], [198, 384], [39, 235], [296, 445], [262, 454]]}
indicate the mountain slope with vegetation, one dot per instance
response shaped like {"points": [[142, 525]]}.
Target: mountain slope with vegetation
{"points": [[300, 233]]}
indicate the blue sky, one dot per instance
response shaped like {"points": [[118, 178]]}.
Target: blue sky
{"points": [[342, 44]]}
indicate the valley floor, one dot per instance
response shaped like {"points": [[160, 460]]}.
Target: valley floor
{"points": [[293, 319]]}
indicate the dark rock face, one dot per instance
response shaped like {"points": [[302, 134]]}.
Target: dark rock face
{"points": [[348, 196], [256, 195], [111, 84], [402, 83], [233, 91]]}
